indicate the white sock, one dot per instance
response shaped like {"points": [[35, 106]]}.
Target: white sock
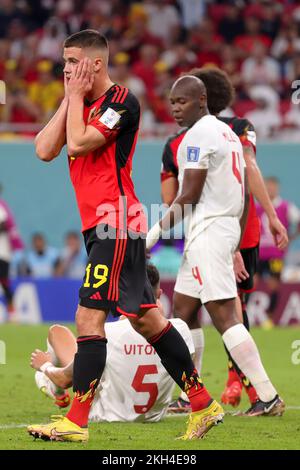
{"points": [[50, 350], [198, 340], [244, 351]]}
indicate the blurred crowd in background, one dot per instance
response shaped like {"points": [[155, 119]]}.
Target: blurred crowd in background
{"points": [[257, 42]]}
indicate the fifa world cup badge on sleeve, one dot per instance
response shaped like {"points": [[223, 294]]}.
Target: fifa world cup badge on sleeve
{"points": [[110, 118], [193, 154]]}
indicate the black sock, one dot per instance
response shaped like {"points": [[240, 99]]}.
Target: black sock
{"points": [[174, 355], [246, 319], [89, 362]]}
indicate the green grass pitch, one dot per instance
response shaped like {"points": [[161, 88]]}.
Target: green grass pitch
{"points": [[21, 403]]}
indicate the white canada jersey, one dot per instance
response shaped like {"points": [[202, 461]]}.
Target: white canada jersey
{"points": [[211, 144], [135, 386]]}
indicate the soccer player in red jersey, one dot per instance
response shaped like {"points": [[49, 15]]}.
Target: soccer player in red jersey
{"points": [[220, 94], [99, 121]]}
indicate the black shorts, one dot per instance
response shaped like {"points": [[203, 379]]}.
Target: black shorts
{"points": [[250, 257], [4, 269], [116, 276], [270, 267]]}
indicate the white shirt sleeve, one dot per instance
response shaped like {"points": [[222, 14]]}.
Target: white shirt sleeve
{"points": [[198, 145]]}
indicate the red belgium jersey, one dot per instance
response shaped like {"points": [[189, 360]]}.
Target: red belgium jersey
{"points": [[245, 131], [102, 178]]}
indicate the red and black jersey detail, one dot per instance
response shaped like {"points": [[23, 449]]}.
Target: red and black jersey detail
{"points": [[102, 178], [169, 157], [241, 127]]}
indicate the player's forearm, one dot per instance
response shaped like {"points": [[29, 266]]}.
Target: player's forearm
{"points": [[76, 127], [169, 189], [243, 219], [51, 139], [173, 216], [258, 189], [61, 377]]}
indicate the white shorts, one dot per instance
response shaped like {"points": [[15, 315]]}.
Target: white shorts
{"points": [[206, 270]]}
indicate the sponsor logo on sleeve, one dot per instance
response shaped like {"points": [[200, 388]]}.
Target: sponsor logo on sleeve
{"points": [[110, 118], [193, 154]]}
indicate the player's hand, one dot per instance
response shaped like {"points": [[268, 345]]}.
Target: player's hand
{"points": [[38, 358], [279, 233], [82, 79], [66, 82], [153, 236], [240, 271]]}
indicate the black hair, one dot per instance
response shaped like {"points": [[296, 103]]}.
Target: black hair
{"points": [[219, 89], [87, 38], [153, 275]]}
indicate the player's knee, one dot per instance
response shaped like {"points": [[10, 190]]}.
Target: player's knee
{"points": [[90, 321], [182, 311], [149, 326], [53, 330]]}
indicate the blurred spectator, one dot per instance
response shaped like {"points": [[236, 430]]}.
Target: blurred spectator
{"points": [[50, 45], [144, 67], [192, 12], [10, 241], [270, 18], [271, 259], [179, 59], [260, 69], [137, 35], [41, 260], [121, 73], [46, 92], [162, 17], [266, 117], [293, 70], [246, 42], [232, 24], [206, 43], [287, 43], [19, 107], [231, 65], [9, 12], [16, 33], [72, 260]]}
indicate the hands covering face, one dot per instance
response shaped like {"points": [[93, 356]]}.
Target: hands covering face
{"points": [[81, 80]]}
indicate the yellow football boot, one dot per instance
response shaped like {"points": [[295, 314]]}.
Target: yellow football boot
{"points": [[200, 422], [60, 429]]}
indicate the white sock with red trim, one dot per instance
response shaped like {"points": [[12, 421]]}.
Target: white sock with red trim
{"points": [[244, 351]]}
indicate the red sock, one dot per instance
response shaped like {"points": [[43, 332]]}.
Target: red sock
{"points": [[252, 394], [233, 376], [197, 394], [81, 405], [79, 411]]}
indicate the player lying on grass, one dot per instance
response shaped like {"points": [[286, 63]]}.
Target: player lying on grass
{"points": [[134, 387]]}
